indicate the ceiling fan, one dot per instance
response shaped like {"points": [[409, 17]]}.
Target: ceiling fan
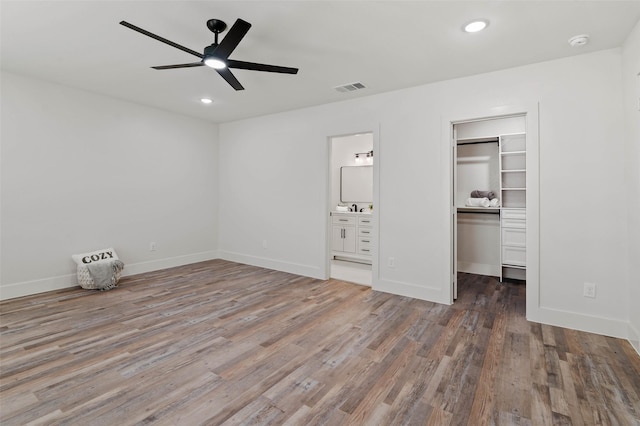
{"points": [[217, 54]]}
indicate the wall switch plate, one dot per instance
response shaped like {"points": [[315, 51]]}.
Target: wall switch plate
{"points": [[392, 262], [589, 290], [153, 246]]}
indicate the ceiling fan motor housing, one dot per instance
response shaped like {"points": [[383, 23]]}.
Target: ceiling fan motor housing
{"points": [[216, 25], [208, 51]]}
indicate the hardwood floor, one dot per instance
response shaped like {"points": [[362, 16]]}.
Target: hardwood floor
{"points": [[223, 343]]}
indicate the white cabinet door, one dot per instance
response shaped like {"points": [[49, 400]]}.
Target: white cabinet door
{"points": [[349, 239], [337, 242]]}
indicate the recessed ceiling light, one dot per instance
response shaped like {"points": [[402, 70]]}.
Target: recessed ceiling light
{"points": [[579, 40], [206, 100], [476, 25]]}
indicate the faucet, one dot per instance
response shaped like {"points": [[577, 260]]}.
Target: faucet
{"points": [[355, 207]]}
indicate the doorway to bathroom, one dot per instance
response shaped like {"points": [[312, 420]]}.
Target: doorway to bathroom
{"points": [[351, 225]]}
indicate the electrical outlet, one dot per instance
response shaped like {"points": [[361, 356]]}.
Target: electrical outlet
{"points": [[392, 262], [153, 246], [589, 290], [264, 244]]}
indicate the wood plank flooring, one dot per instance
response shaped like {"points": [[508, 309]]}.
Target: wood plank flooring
{"points": [[223, 343]]}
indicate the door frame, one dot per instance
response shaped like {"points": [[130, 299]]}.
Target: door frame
{"points": [[374, 129], [463, 115]]}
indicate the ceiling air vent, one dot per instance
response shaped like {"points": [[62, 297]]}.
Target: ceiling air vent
{"points": [[351, 87]]}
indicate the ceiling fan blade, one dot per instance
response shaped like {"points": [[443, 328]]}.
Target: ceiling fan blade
{"points": [[232, 39], [231, 79], [163, 40], [260, 67], [170, 67]]}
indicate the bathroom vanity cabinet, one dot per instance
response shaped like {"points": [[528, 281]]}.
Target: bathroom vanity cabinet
{"points": [[352, 236]]}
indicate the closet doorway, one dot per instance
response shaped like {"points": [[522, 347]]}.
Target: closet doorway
{"points": [[351, 225], [490, 200]]}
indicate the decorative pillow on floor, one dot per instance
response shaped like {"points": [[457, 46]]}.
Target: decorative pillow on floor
{"points": [[85, 280]]}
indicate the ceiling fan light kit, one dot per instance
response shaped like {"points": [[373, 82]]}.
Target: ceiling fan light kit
{"points": [[216, 55]]}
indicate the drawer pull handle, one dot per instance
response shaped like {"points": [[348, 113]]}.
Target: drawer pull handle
{"points": [[365, 241], [365, 232], [365, 249], [343, 220]]}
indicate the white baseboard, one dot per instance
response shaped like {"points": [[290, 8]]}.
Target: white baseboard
{"points": [[27, 288], [479, 268], [590, 323], [171, 262], [431, 294], [634, 337], [277, 265]]}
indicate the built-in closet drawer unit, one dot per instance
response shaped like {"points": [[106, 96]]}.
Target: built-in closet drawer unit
{"points": [[365, 235], [516, 237], [515, 256], [513, 229], [520, 214]]}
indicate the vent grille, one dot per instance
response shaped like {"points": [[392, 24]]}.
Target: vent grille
{"points": [[350, 87]]}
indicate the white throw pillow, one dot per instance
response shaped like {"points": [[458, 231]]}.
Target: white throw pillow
{"points": [[104, 255]]}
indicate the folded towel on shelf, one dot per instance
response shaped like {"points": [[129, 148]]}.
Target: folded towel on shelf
{"points": [[494, 202], [342, 208], [478, 202], [483, 194]]}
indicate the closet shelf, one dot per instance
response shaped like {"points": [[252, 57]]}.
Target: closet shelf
{"points": [[514, 189], [479, 210], [506, 153], [514, 171]]}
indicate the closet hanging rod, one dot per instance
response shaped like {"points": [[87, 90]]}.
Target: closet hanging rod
{"points": [[477, 142], [493, 211]]}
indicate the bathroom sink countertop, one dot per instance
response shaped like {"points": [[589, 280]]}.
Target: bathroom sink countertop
{"points": [[337, 212]]}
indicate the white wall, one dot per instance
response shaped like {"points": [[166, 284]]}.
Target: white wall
{"points": [[582, 237], [631, 86], [82, 172]]}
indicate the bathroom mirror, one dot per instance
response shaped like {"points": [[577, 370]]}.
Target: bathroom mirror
{"points": [[356, 184]]}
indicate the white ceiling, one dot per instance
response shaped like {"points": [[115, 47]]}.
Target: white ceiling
{"points": [[387, 45]]}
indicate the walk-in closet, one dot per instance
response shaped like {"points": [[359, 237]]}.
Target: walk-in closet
{"points": [[489, 184]]}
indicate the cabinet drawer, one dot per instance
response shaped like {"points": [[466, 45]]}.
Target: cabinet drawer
{"points": [[343, 220], [513, 214], [514, 223], [365, 250], [365, 232], [516, 256], [365, 221], [365, 242], [514, 237]]}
